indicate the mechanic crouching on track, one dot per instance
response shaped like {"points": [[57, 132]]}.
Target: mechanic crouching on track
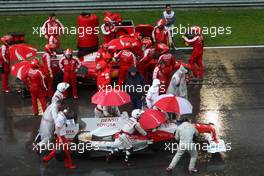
{"points": [[185, 133], [61, 141], [127, 130], [106, 111]]}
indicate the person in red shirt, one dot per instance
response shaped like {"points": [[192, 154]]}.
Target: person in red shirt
{"points": [[47, 69], [62, 143], [166, 65], [103, 75], [196, 58], [37, 86], [161, 34], [4, 61], [137, 45], [148, 54], [126, 60], [166, 57], [108, 30], [52, 28], [70, 65], [103, 54], [53, 37]]}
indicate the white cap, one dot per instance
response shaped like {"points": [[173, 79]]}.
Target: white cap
{"points": [[136, 113], [63, 86]]}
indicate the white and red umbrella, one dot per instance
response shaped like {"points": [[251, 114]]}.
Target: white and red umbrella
{"points": [[20, 69], [111, 98], [22, 52], [152, 118], [171, 103]]}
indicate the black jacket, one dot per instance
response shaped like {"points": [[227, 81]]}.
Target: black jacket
{"points": [[134, 85]]}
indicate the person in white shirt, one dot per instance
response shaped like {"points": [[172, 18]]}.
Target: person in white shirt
{"points": [[169, 16], [47, 124], [61, 141], [153, 93], [58, 95]]}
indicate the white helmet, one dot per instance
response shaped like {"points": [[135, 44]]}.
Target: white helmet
{"points": [[62, 87], [136, 113]]}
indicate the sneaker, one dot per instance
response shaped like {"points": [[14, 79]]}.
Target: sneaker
{"points": [[168, 169], [193, 171]]}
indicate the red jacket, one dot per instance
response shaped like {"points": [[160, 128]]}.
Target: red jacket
{"points": [[197, 43], [161, 36], [164, 79], [126, 59], [169, 61], [103, 75], [4, 55], [54, 24], [103, 55], [46, 60], [36, 80], [137, 48], [69, 65], [54, 40]]}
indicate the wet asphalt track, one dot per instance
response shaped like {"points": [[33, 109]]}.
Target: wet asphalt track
{"points": [[232, 93]]}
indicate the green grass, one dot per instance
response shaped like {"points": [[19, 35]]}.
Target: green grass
{"points": [[247, 25]]}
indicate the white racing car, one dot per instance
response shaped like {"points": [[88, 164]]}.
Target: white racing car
{"points": [[102, 134]]}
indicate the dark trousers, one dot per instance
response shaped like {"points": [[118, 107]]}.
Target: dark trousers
{"points": [[136, 102]]}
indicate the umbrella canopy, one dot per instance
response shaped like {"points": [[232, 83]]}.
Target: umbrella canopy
{"points": [[20, 69], [22, 52], [171, 103], [152, 118], [110, 98]]}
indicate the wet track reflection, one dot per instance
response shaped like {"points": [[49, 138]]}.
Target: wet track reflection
{"points": [[232, 96]]}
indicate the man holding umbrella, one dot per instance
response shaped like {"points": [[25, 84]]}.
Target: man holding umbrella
{"points": [[134, 85]]}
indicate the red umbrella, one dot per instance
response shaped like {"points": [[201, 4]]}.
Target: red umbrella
{"points": [[110, 98], [171, 103], [22, 52], [119, 42], [152, 118], [20, 69]]}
